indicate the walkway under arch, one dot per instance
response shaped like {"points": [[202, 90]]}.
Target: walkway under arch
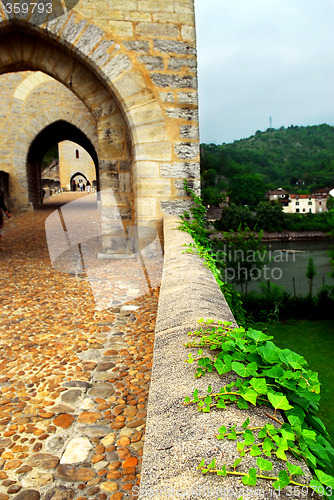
{"points": [[48, 137]]}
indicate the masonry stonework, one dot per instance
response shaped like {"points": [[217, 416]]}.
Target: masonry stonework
{"points": [[132, 66]]}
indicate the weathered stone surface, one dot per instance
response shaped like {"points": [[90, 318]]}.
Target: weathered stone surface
{"points": [[76, 474], [37, 478], [71, 396], [76, 451], [170, 46], [59, 493], [28, 495], [43, 461], [64, 421], [101, 390], [54, 444]]}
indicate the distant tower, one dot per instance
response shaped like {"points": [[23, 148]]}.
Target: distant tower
{"points": [[270, 122]]}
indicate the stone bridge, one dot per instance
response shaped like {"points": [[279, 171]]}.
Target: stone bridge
{"points": [[118, 78]]}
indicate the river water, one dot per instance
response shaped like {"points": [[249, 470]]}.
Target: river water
{"points": [[286, 263]]}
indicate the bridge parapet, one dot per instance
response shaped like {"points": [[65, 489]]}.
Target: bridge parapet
{"points": [[179, 437]]}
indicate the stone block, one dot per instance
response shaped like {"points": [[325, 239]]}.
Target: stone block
{"points": [[143, 169], [90, 37], [121, 28], [173, 46], [183, 113], [151, 30], [186, 150], [177, 63], [173, 81], [152, 187], [116, 66], [154, 132], [180, 170], [189, 132], [153, 152], [147, 113], [152, 63]]}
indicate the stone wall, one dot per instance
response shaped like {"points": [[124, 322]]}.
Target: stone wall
{"points": [[132, 63], [73, 159]]}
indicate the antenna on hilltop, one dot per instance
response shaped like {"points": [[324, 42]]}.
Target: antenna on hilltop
{"points": [[270, 122]]}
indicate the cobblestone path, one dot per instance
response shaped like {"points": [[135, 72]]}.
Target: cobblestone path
{"points": [[74, 378]]}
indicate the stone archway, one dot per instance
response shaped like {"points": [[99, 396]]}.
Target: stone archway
{"points": [[129, 132], [54, 133]]}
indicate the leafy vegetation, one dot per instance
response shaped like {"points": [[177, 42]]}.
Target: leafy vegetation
{"points": [[278, 379], [299, 159]]}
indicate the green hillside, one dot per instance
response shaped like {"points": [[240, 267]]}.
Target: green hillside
{"points": [[296, 158]]}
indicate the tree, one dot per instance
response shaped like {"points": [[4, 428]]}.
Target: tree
{"points": [[310, 273], [270, 216], [241, 256], [247, 189]]}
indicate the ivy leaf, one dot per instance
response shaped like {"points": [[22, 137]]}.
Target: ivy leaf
{"points": [[280, 453], [222, 472], [257, 336], [279, 401], [242, 404], [221, 367], [249, 437], [264, 464], [221, 403], [294, 420], [237, 462], [268, 446], [195, 395], [244, 370], [246, 423], [259, 385], [274, 372], [292, 359], [315, 485], [212, 465], [294, 470], [269, 352], [202, 464], [283, 480], [250, 479], [325, 478], [250, 395], [232, 436], [187, 400], [255, 451]]}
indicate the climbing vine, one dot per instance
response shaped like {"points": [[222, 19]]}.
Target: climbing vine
{"points": [[278, 379], [194, 224]]}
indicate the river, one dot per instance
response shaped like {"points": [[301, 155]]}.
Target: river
{"points": [[286, 263]]}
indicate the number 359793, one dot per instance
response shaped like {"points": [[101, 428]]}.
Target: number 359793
{"points": [[31, 7]]}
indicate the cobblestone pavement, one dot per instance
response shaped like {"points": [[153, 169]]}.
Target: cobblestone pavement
{"points": [[74, 376]]}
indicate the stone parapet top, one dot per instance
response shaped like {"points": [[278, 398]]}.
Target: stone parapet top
{"points": [[178, 436]]}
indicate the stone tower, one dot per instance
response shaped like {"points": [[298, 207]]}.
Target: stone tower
{"points": [[126, 73]]}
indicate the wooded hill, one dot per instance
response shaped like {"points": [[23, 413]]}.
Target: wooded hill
{"points": [[299, 159]]}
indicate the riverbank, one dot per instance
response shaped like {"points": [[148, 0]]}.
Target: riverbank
{"points": [[284, 236]]}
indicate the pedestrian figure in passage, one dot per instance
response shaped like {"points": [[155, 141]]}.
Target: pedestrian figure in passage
{"points": [[80, 185], [88, 187], [3, 209], [74, 186]]}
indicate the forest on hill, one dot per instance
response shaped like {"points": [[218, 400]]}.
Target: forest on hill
{"points": [[298, 159]]}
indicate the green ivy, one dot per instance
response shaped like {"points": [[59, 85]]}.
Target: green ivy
{"points": [[194, 224], [278, 379]]}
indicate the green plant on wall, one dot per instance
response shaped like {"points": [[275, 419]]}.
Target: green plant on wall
{"points": [[194, 224], [277, 379]]}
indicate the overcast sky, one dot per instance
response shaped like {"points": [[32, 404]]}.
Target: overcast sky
{"points": [[263, 58]]}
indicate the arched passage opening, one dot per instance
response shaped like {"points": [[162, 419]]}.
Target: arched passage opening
{"points": [[105, 136], [48, 137]]}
